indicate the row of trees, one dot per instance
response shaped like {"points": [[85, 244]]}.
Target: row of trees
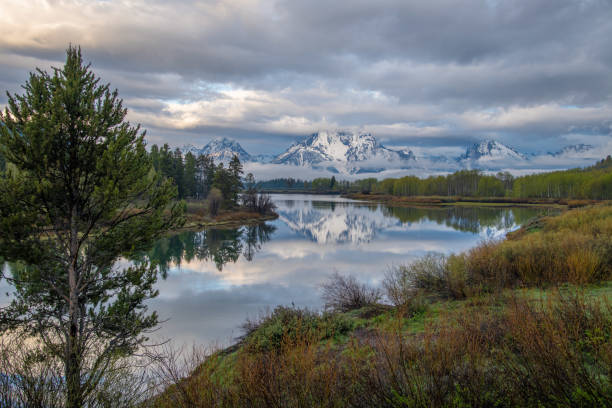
{"points": [[593, 182], [465, 183]]}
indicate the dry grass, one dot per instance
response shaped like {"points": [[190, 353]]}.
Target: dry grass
{"points": [[531, 353], [575, 247]]}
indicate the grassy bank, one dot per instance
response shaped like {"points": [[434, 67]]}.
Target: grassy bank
{"points": [[526, 321], [467, 201], [197, 216]]}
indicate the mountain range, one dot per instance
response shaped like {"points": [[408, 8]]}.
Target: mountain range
{"points": [[344, 152], [360, 152]]}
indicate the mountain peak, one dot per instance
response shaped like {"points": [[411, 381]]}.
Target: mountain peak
{"points": [[489, 152], [221, 149], [345, 151]]}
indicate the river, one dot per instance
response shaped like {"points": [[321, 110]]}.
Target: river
{"points": [[215, 278]]}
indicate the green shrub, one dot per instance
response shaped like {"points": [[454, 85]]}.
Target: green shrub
{"points": [[286, 324]]}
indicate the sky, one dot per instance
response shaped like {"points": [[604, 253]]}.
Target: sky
{"points": [[434, 74]]}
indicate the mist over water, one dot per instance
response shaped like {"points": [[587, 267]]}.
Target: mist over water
{"points": [[216, 278]]}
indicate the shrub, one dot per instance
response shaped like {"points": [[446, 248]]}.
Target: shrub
{"points": [[287, 324], [434, 274], [345, 293], [214, 201], [264, 204], [561, 351], [297, 374], [261, 203]]}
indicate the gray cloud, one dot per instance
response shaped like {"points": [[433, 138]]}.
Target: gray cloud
{"points": [[530, 72]]}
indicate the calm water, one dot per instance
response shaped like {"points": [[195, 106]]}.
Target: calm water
{"points": [[216, 278]]}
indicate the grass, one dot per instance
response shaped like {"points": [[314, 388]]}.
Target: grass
{"points": [[470, 201], [476, 352]]}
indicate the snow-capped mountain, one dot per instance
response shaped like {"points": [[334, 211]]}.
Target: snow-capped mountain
{"points": [[490, 154], [346, 152], [355, 153], [221, 150]]}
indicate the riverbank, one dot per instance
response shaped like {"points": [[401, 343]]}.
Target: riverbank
{"points": [[197, 217], [521, 322], [469, 201]]}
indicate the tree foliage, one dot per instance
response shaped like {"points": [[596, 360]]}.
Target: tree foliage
{"points": [[195, 177], [80, 192], [594, 182]]}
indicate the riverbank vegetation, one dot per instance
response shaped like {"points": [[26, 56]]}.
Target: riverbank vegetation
{"points": [[214, 194], [590, 183], [526, 322]]}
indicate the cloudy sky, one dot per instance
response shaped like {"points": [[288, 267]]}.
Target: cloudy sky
{"points": [[536, 74]]}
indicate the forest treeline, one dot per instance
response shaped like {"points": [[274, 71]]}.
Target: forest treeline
{"points": [[594, 182], [195, 176], [200, 178]]}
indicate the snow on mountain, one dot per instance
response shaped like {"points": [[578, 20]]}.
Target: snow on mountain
{"points": [[354, 154], [221, 150], [189, 148], [346, 152], [490, 155]]}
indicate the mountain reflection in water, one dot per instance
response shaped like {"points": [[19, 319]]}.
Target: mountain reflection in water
{"points": [[215, 278]]}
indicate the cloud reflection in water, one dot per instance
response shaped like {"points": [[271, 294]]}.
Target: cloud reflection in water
{"points": [[216, 278]]}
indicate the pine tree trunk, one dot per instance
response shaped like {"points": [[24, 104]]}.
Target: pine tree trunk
{"points": [[72, 360]]}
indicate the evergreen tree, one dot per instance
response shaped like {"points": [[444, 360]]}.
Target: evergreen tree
{"points": [[235, 180], [205, 175], [155, 157], [249, 198], [166, 165], [222, 182], [177, 171], [189, 175], [80, 193]]}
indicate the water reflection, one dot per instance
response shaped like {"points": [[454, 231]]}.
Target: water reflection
{"points": [[343, 222], [220, 246], [216, 278], [329, 222], [488, 221]]}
